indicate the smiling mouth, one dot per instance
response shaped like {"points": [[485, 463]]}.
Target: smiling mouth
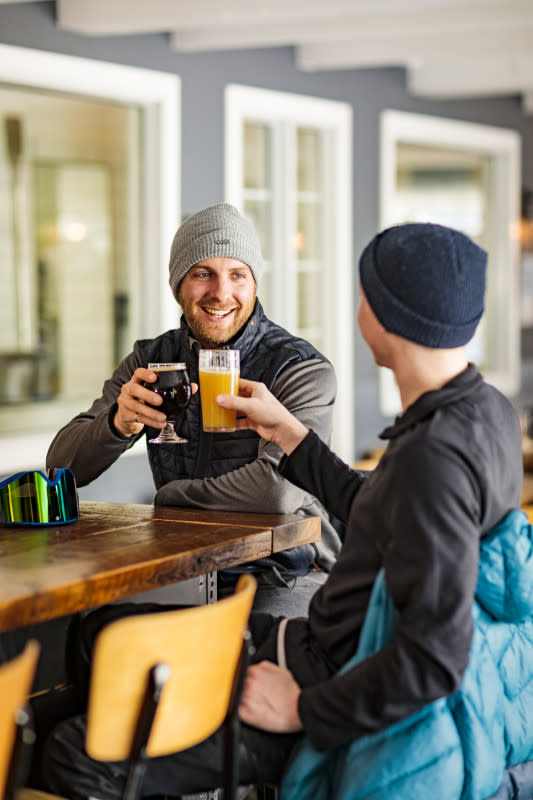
{"points": [[218, 313]]}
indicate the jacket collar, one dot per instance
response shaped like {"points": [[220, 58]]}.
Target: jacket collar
{"points": [[460, 386], [246, 339]]}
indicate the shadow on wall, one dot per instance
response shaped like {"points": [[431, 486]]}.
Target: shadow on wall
{"points": [[128, 480]]}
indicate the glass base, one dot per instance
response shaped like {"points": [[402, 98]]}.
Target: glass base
{"points": [[168, 436], [219, 430]]}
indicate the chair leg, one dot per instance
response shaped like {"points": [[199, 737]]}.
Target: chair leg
{"points": [[19, 765], [231, 757], [158, 676], [267, 791], [231, 723]]}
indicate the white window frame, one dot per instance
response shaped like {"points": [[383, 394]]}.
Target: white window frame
{"points": [[503, 146], [246, 103], [158, 95]]}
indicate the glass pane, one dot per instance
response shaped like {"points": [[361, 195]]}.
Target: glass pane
{"points": [[73, 248], [260, 214], [70, 230], [309, 300], [449, 186], [257, 156], [264, 293], [439, 185], [309, 148], [310, 234]]}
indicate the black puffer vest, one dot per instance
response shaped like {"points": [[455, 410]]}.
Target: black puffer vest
{"points": [[266, 350]]}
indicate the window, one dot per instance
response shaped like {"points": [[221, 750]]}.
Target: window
{"points": [[86, 220], [288, 168], [466, 176]]}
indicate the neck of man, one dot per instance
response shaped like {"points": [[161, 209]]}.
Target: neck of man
{"points": [[419, 369]]}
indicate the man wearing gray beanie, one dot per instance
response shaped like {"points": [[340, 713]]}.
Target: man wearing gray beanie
{"points": [[215, 267], [371, 684]]}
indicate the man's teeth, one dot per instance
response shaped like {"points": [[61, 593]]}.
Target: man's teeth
{"points": [[218, 312]]}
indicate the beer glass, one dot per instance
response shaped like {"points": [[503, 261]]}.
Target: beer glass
{"points": [[174, 387], [218, 373]]}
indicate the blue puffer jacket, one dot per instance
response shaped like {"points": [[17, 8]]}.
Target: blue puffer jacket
{"points": [[458, 747]]}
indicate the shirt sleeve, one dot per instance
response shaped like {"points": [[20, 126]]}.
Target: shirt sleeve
{"points": [[315, 468], [89, 443], [431, 567], [308, 391]]}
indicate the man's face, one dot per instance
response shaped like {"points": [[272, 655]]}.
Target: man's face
{"points": [[217, 296], [372, 331]]}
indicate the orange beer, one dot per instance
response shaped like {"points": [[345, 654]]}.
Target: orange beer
{"points": [[218, 374]]}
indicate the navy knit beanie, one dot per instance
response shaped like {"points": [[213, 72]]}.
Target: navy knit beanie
{"points": [[426, 283]]}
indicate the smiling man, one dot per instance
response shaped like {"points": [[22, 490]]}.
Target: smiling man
{"points": [[215, 267], [217, 297]]}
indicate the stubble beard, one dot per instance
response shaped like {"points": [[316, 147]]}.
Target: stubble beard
{"points": [[204, 331]]}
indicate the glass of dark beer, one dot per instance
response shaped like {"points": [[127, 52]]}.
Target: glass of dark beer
{"points": [[174, 387]]}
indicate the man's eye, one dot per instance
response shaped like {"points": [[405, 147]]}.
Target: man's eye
{"points": [[239, 275]]}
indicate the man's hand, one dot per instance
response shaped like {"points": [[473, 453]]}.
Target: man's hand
{"points": [[258, 409], [270, 699], [135, 404], [133, 413]]}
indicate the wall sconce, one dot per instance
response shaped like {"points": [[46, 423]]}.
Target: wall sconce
{"points": [[526, 246], [526, 221]]}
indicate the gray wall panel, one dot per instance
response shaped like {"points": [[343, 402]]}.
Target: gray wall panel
{"points": [[204, 77]]}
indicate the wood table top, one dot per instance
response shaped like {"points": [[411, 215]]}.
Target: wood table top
{"points": [[115, 550]]}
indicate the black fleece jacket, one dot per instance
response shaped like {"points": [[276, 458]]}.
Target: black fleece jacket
{"points": [[451, 471]]}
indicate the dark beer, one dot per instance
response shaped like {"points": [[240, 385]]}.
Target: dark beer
{"points": [[174, 387]]}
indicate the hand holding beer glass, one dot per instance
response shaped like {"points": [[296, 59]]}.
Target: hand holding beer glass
{"points": [[174, 388], [218, 372]]}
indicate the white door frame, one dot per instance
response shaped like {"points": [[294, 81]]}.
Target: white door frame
{"points": [[251, 103], [503, 146], [158, 96]]}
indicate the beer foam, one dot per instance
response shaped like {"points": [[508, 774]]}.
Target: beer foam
{"points": [[219, 370], [167, 367]]}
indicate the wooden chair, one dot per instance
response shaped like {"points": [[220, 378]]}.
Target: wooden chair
{"points": [[16, 733], [163, 682]]}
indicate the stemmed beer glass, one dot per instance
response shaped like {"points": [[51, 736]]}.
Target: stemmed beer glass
{"points": [[174, 387]]}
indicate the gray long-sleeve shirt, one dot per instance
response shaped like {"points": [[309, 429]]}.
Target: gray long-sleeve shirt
{"points": [[89, 444]]}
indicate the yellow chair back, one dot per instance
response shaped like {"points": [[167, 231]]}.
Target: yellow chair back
{"points": [[200, 645], [16, 678]]}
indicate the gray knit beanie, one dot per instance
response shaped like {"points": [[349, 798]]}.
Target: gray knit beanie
{"points": [[215, 231], [426, 283]]}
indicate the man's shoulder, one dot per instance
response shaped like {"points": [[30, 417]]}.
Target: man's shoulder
{"points": [[274, 337], [158, 343]]}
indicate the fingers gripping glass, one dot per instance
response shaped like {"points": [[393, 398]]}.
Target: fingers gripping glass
{"points": [[174, 388], [32, 498]]}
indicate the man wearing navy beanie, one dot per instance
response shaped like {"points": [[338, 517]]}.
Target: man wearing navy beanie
{"points": [[320, 720], [425, 282]]}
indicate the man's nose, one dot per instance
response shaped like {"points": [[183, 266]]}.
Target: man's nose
{"points": [[221, 287]]}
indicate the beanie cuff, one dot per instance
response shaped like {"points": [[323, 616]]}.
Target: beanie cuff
{"points": [[211, 246]]}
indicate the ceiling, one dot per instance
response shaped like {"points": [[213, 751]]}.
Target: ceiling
{"points": [[449, 48]]}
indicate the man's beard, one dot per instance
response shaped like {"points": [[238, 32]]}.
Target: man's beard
{"points": [[205, 331]]}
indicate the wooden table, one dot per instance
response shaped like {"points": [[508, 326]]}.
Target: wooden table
{"points": [[115, 550]]}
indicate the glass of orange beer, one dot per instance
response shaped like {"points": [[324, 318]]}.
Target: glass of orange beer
{"points": [[218, 372]]}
